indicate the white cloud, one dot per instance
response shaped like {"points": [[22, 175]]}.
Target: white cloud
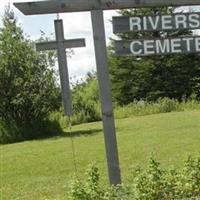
{"points": [[2, 6], [78, 25], [5, 3]]}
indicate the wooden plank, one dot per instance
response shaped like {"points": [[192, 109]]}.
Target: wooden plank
{"points": [[63, 68], [53, 45], [158, 46], [43, 46], [55, 6], [178, 21], [106, 97], [75, 43]]}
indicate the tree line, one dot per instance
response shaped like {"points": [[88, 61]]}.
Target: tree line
{"points": [[28, 89], [153, 77]]}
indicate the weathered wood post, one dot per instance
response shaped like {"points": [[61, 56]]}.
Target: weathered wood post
{"points": [[106, 97]]}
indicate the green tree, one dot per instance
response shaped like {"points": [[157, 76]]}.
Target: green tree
{"points": [[86, 99], [28, 89], [149, 78]]}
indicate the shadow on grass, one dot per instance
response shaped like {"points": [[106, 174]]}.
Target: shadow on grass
{"points": [[78, 133], [38, 130]]}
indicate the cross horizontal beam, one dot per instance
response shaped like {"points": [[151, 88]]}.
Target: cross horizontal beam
{"points": [[55, 6], [53, 45]]}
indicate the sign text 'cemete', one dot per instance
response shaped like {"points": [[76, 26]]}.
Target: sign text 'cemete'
{"points": [[179, 21], [158, 46]]}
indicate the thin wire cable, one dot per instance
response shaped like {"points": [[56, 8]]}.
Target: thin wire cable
{"points": [[73, 148], [58, 16]]}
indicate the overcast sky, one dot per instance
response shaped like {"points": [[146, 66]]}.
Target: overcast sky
{"points": [[76, 25]]}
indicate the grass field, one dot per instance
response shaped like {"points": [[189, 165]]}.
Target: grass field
{"points": [[40, 170]]}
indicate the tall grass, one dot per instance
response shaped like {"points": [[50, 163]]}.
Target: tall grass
{"points": [[137, 108], [10, 132], [165, 105]]}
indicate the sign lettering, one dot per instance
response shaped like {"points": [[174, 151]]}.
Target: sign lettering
{"points": [[179, 21], [158, 46]]}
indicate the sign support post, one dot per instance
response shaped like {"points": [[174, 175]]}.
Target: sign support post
{"points": [[106, 97]]}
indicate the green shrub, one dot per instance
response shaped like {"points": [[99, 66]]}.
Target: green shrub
{"points": [[85, 97], [77, 118], [168, 105], [28, 86], [90, 190], [13, 132], [154, 183]]}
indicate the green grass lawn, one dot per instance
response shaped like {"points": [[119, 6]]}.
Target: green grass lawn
{"points": [[40, 170]]}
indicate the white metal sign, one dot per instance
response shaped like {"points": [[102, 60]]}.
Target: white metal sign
{"points": [[178, 21], [158, 46]]}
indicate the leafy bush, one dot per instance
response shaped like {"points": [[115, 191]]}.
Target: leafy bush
{"points": [[153, 183], [168, 105], [86, 103], [89, 190], [28, 89], [12, 132]]}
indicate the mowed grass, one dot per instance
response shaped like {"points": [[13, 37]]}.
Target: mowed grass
{"points": [[40, 170]]}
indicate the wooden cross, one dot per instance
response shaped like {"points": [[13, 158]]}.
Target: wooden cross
{"points": [[61, 45]]}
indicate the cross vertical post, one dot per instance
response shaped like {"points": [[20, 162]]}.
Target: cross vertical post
{"points": [[106, 97], [63, 68], [60, 45]]}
